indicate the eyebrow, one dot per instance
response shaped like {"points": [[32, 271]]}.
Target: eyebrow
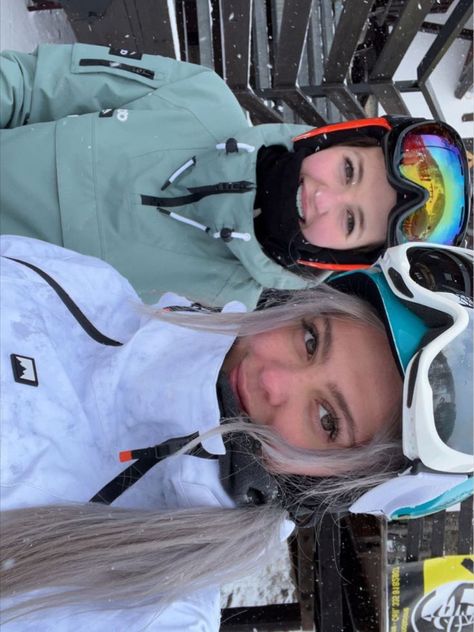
{"points": [[327, 340], [336, 393]]}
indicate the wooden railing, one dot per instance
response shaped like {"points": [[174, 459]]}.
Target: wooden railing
{"points": [[288, 60], [342, 566]]}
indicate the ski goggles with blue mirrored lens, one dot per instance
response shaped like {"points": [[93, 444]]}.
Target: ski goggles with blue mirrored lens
{"points": [[435, 282]]}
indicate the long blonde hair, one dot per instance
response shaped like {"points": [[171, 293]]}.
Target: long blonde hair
{"points": [[106, 557]]}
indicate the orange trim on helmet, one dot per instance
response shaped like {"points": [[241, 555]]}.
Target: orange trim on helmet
{"points": [[336, 267], [339, 127]]}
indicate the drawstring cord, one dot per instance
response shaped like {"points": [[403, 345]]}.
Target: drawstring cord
{"points": [[197, 193], [225, 233], [232, 146], [189, 163]]}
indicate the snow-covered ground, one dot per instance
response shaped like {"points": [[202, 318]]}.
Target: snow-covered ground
{"points": [[23, 30], [270, 585], [443, 82]]}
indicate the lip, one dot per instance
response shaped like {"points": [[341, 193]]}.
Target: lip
{"points": [[237, 382]]}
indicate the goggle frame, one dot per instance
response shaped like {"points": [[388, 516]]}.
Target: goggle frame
{"points": [[417, 195], [420, 436]]}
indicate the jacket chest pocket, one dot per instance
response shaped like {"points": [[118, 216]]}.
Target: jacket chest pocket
{"points": [[117, 62]]}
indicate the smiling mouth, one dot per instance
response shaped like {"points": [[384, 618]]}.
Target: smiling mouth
{"points": [[299, 202]]}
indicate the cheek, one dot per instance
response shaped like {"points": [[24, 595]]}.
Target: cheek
{"points": [[261, 348], [318, 166], [322, 232], [291, 424]]}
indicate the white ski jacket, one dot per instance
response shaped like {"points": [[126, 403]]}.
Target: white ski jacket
{"points": [[70, 403]]}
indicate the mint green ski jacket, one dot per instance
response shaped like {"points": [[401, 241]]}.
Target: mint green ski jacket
{"points": [[146, 162]]}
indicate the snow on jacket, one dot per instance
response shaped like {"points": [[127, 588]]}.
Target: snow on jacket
{"points": [[66, 415], [99, 139]]}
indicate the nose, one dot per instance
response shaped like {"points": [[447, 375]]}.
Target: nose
{"points": [[278, 384], [328, 200]]}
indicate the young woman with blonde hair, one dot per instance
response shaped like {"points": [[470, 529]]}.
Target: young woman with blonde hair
{"points": [[267, 415]]}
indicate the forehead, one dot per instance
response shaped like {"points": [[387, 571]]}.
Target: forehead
{"points": [[364, 369], [366, 338]]}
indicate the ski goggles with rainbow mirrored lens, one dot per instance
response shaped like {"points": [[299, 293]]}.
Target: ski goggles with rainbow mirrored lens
{"points": [[427, 165], [435, 282]]}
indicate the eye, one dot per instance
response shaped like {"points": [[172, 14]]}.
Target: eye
{"points": [[329, 422], [348, 170], [311, 339], [350, 223]]}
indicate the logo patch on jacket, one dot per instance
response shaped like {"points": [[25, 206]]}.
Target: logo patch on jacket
{"points": [[24, 369], [123, 52], [106, 113]]}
